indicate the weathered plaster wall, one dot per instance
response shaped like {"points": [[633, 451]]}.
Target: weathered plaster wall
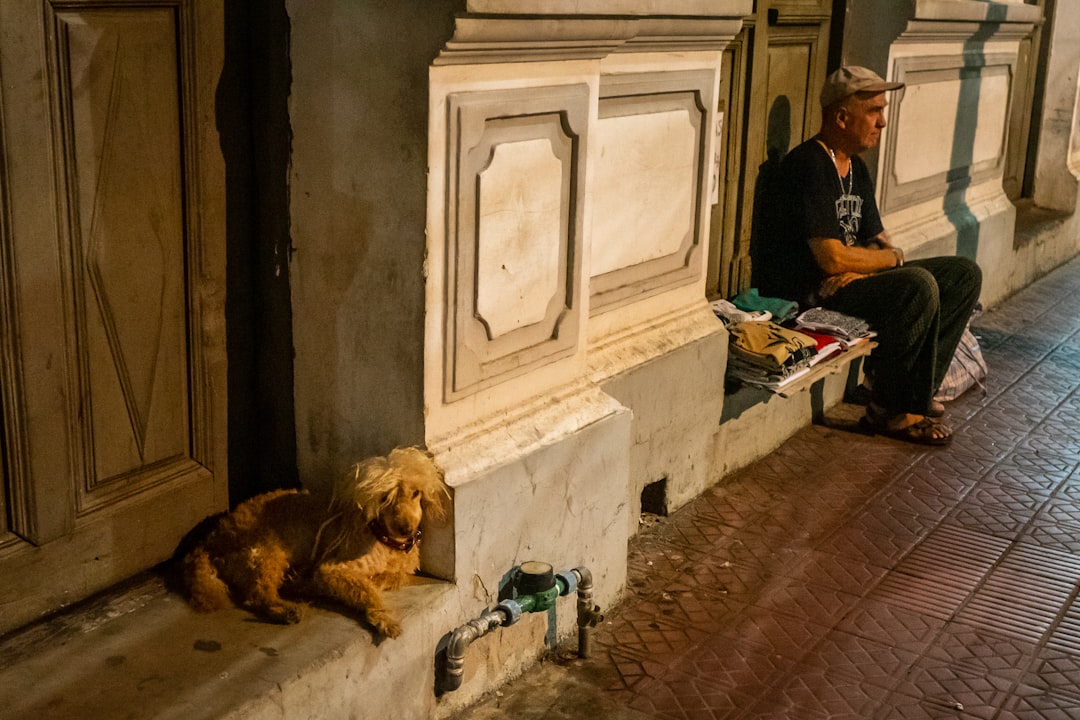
{"points": [[358, 203]]}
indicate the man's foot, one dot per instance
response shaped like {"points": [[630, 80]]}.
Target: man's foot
{"points": [[908, 427], [935, 409]]}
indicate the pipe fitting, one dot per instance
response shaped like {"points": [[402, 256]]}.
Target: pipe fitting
{"points": [[463, 637], [567, 580], [513, 611]]}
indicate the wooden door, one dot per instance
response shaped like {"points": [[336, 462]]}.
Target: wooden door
{"points": [[112, 383], [768, 96]]}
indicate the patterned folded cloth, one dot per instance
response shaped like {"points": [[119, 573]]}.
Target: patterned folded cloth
{"points": [[832, 322]]}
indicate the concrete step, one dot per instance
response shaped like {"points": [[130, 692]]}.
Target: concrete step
{"points": [[141, 652]]}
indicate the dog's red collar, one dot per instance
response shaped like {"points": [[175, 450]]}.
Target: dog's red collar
{"points": [[382, 534]]}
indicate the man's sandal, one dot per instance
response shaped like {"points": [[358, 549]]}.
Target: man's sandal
{"points": [[922, 432], [861, 395]]}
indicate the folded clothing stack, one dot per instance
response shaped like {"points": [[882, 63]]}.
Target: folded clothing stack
{"points": [[764, 353]]}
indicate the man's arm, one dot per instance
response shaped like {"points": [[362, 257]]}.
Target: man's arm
{"points": [[835, 258]]}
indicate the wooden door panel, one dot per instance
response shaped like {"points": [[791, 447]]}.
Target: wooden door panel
{"points": [[127, 235], [112, 301], [796, 68]]}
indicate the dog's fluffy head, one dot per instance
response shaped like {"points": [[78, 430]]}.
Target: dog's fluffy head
{"points": [[396, 489]]}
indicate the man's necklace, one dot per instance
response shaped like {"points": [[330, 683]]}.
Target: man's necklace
{"points": [[839, 177]]}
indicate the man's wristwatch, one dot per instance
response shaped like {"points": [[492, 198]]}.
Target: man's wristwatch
{"points": [[899, 256]]}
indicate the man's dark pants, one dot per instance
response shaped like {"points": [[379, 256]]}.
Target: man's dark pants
{"points": [[919, 312]]}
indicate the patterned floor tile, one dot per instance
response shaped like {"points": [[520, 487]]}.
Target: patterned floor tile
{"points": [[1065, 637], [901, 498], [982, 652], [891, 625], [1065, 447], [1024, 594], [1038, 704], [845, 574], [987, 436], [945, 687], [991, 519], [646, 633], [719, 679], [817, 695], [865, 546], [1031, 471], [950, 475], [750, 551], [1015, 497], [806, 602], [779, 635], [1021, 407], [1056, 527], [883, 519], [939, 574], [731, 502], [1054, 671], [868, 661]]}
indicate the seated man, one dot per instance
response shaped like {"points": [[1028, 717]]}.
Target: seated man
{"points": [[824, 244]]}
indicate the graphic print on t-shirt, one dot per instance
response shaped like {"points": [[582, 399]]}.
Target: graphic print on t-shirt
{"points": [[848, 214]]}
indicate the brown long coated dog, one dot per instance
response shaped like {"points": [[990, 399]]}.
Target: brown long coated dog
{"points": [[362, 542]]}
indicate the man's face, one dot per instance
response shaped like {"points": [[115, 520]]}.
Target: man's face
{"points": [[864, 119]]}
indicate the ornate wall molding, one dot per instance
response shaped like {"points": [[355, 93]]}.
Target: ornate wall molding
{"points": [[534, 39], [514, 227], [650, 183], [666, 8], [944, 91]]}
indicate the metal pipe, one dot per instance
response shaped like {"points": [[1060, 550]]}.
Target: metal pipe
{"points": [[463, 637], [587, 613], [509, 612]]}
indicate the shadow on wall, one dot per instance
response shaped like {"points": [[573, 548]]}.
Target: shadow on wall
{"points": [[963, 147], [777, 144]]}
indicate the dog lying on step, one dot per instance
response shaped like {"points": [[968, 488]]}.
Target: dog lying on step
{"points": [[348, 550]]}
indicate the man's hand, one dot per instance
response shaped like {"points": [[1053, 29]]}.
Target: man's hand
{"points": [[831, 284]]}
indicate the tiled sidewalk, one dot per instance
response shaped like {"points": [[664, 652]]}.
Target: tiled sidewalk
{"points": [[846, 576]]}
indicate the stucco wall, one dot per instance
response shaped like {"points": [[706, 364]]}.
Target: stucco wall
{"points": [[358, 202]]}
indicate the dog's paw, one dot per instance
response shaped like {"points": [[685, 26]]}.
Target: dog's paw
{"points": [[386, 625], [284, 614]]}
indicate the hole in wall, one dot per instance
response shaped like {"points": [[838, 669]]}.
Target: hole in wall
{"points": [[654, 498]]}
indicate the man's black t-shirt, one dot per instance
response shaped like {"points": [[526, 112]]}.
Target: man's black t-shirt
{"points": [[808, 199]]}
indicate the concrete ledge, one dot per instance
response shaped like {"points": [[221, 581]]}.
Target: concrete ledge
{"points": [[141, 652], [144, 653]]}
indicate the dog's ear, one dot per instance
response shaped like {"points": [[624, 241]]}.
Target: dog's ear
{"points": [[436, 500], [370, 486], [436, 494]]}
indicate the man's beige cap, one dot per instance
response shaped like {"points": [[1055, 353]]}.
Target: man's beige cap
{"points": [[851, 79]]}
